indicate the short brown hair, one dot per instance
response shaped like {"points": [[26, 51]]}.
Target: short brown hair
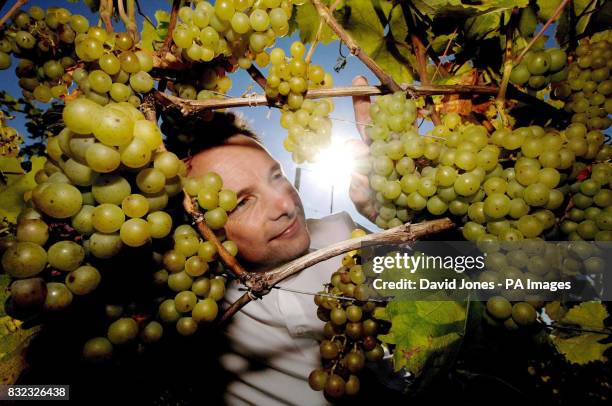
{"points": [[187, 139]]}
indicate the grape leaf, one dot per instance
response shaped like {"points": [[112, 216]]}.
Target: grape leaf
{"points": [[366, 22], [423, 331], [546, 8], [14, 340], [460, 8], [582, 13], [11, 193], [150, 35], [584, 347], [307, 20]]}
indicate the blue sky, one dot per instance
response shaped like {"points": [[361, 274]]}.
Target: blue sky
{"points": [[316, 190]]}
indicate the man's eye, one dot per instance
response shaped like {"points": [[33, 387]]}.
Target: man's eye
{"points": [[241, 203], [278, 175]]}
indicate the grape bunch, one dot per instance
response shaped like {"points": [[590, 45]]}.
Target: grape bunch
{"points": [[505, 186], [115, 71], [190, 284], [588, 88], [44, 41], [209, 83], [500, 311], [307, 122], [539, 67], [350, 329], [237, 29], [87, 185], [590, 218]]}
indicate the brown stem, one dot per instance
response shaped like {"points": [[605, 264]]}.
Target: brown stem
{"points": [[173, 16], [317, 37], [552, 18], [18, 4], [234, 308], [257, 76], [206, 232], [189, 107], [261, 282], [133, 27], [106, 11], [354, 48], [500, 100], [419, 50]]}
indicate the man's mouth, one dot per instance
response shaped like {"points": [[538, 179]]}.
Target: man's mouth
{"points": [[290, 231]]}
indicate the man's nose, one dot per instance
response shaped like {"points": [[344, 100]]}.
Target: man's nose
{"points": [[281, 203]]}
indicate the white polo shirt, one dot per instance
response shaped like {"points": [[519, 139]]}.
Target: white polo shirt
{"points": [[274, 340]]}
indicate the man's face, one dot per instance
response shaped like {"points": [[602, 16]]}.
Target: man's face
{"points": [[268, 225]]}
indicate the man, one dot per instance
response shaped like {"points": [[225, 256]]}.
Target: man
{"points": [[273, 340]]}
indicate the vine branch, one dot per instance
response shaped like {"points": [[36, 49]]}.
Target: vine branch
{"points": [[18, 4], [260, 283], [173, 16], [500, 100], [189, 107], [552, 18], [354, 48], [106, 11]]}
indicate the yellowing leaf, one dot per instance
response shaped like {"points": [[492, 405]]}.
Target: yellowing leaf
{"points": [[11, 194], [423, 332], [585, 346], [150, 34]]}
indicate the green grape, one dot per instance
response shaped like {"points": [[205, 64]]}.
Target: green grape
{"points": [[150, 180], [216, 218], [24, 259], [186, 244], [196, 266], [102, 158], [205, 310], [98, 349], [141, 82], [207, 251], [136, 154], [135, 232], [186, 326], [148, 132], [60, 200], [217, 289], [135, 205], [32, 230], [496, 205], [58, 297], [65, 255], [160, 224], [122, 330], [107, 218], [129, 62], [167, 163], [82, 221], [466, 184], [523, 314], [105, 246], [536, 194], [114, 127], [530, 226], [185, 301], [111, 189], [152, 332], [157, 201], [83, 280]]}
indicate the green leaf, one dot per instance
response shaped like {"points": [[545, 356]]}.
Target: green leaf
{"points": [[461, 8], [546, 8], [14, 340], [584, 347], [150, 35], [11, 194], [307, 20], [423, 332], [483, 26], [582, 16]]}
